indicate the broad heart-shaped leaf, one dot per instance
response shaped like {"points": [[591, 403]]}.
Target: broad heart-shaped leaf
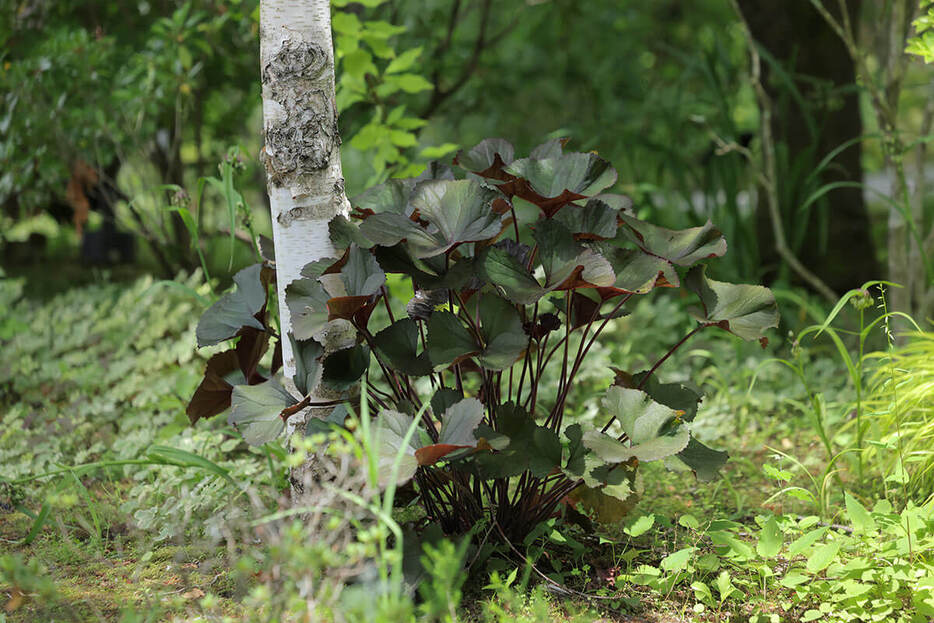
{"points": [[636, 271], [554, 182], [457, 211], [459, 421], [343, 233], [308, 307], [502, 332], [641, 418], [520, 445], [255, 411], [458, 424], [234, 310], [679, 396], [510, 277], [704, 462], [361, 274], [343, 368], [682, 247], [566, 263], [612, 495], [307, 365], [449, 341], [744, 310], [398, 345], [549, 149], [596, 220], [393, 196], [389, 435], [213, 394], [487, 157], [427, 273], [655, 431]]}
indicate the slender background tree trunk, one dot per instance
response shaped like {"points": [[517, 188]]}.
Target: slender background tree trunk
{"points": [[806, 130], [302, 145]]}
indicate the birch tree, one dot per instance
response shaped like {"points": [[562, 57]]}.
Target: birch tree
{"points": [[302, 145]]}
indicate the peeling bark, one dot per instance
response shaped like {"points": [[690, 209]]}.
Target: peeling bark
{"points": [[302, 150]]}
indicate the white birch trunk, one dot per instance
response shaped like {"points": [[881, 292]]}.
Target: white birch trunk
{"points": [[302, 145]]}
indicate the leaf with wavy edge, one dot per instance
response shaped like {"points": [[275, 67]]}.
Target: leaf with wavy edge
{"points": [[743, 310]]}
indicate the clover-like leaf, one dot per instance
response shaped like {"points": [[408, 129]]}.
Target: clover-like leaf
{"points": [[256, 411], [234, 310], [744, 310], [398, 345]]}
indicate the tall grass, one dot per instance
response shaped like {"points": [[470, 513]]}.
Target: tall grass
{"points": [[900, 410]]}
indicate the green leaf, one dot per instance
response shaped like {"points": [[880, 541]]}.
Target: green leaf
{"points": [[640, 526], [307, 303], [410, 83], [770, 539], [682, 247], [361, 273], [490, 153], [744, 310], [566, 263], [678, 560], [234, 310], [448, 340], [389, 437], [580, 173], [596, 220], [640, 417], [393, 196], [510, 277], [501, 328], [255, 411], [343, 368], [805, 541], [459, 421], [637, 272], [307, 367], [704, 462], [822, 556], [860, 518], [398, 344], [404, 61], [458, 210]]}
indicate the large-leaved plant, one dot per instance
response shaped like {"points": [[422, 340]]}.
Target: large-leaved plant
{"points": [[516, 267]]}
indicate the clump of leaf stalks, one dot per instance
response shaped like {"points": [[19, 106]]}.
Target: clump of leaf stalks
{"points": [[516, 267]]}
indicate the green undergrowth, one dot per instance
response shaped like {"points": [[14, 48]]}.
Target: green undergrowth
{"points": [[101, 374]]}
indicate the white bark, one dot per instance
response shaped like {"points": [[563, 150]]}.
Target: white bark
{"points": [[302, 145]]}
